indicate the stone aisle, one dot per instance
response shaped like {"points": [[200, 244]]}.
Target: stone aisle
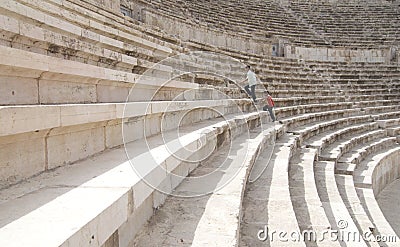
{"points": [[255, 212], [180, 219]]}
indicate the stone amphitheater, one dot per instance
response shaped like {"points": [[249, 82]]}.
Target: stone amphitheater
{"points": [[124, 123]]}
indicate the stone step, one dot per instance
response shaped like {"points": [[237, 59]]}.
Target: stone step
{"points": [[374, 110], [106, 84], [394, 132], [307, 205], [288, 111], [119, 193], [220, 183], [337, 150], [367, 104], [63, 39], [73, 13], [74, 132], [378, 169], [365, 149], [308, 131], [31, 34], [292, 101], [335, 209], [309, 118], [354, 205], [14, 118], [389, 123], [370, 178], [323, 140], [267, 201]]}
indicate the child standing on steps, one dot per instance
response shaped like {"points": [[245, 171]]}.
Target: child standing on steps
{"points": [[269, 105]]}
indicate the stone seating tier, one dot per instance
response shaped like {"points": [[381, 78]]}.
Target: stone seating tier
{"points": [[349, 24], [395, 131], [79, 82], [348, 191], [94, 84], [86, 130], [73, 52], [26, 33], [356, 217], [296, 86], [61, 38], [290, 148], [115, 195], [370, 177], [79, 12], [331, 137], [326, 24], [367, 148], [245, 26], [359, 137], [323, 182]]}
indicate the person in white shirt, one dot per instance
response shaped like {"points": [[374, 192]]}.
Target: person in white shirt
{"points": [[252, 82]]}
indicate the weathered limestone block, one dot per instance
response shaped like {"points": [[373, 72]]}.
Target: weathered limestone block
{"points": [[386, 171], [22, 156], [31, 31], [74, 143], [86, 114], [152, 125], [18, 90], [135, 222], [114, 213], [14, 120], [107, 93], [113, 5], [9, 24], [53, 92], [132, 130]]}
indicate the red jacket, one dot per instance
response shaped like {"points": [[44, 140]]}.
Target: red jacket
{"points": [[270, 101]]}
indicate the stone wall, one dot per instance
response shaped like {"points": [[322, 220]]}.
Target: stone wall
{"points": [[113, 5], [71, 133], [204, 35], [338, 54], [386, 172]]}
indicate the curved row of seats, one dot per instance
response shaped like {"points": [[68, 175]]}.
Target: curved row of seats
{"points": [[319, 178], [352, 23], [349, 24], [305, 191], [109, 193], [71, 66], [271, 22], [67, 131]]}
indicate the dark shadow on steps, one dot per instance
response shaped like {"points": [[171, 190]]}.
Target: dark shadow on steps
{"points": [[320, 180], [297, 194], [176, 221], [255, 201]]}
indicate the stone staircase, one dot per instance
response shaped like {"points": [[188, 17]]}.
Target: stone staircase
{"points": [[117, 134]]}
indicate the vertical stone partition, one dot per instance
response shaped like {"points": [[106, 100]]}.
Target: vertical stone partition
{"points": [[113, 5]]}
